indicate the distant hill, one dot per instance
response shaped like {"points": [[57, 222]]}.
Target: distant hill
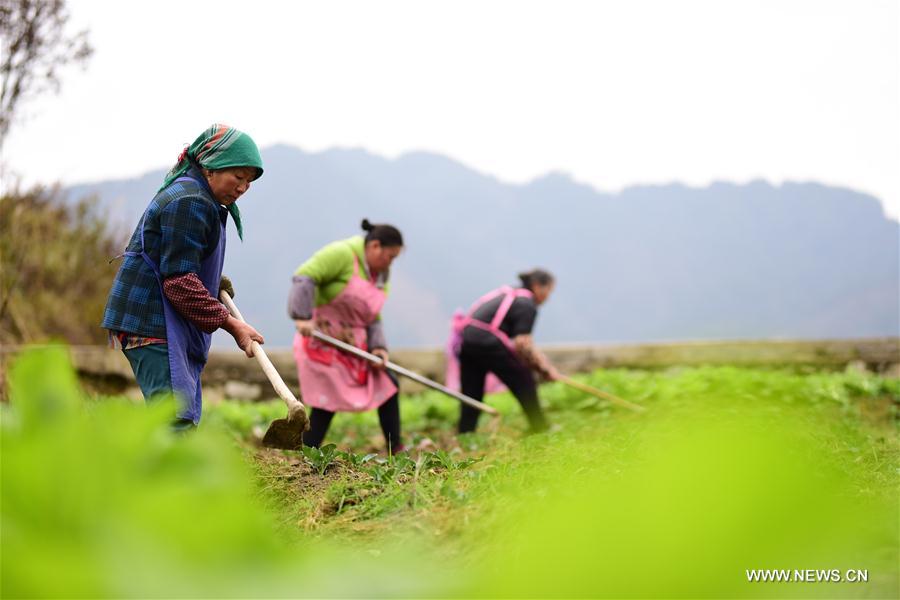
{"points": [[800, 260]]}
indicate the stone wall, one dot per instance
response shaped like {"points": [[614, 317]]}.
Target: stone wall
{"points": [[230, 373]]}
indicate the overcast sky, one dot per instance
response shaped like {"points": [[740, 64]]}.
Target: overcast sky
{"points": [[615, 92]]}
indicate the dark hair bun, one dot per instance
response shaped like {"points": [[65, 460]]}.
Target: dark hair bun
{"points": [[536, 276], [388, 235]]}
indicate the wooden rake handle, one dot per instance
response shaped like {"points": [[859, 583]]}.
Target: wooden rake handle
{"points": [[600, 394], [268, 368], [405, 372]]}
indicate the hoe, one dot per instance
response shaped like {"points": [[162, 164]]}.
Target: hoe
{"points": [[282, 433]]}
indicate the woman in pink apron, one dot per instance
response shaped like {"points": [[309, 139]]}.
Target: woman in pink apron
{"points": [[494, 339], [340, 291]]}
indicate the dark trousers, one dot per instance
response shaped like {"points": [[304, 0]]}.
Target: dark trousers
{"points": [[476, 362], [388, 417], [151, 370]]}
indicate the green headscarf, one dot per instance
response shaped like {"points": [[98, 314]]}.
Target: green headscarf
{"points": [[220, 147]]}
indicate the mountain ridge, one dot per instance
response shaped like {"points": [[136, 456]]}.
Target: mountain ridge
{"points": [[651, 262]]}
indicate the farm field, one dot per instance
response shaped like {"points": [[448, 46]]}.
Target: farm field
{"points": [[728, 470]]}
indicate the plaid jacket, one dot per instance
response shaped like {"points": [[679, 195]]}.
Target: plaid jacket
{"points": [[181, 229]]}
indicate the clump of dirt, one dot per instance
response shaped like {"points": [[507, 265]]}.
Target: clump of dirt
{"points": [[316, 498]]}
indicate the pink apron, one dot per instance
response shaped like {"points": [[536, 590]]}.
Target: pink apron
{"points": [[333, 380], [492, 384]]}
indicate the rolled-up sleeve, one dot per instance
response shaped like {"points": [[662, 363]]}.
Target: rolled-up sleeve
{"points": [[191, 299], [375, 335], [302, 298]]}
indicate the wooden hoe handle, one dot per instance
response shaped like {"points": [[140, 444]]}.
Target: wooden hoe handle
{"points": [[600, 394], [263, 359]]}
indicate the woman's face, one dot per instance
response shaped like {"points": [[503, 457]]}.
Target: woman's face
{"points": [[542, 292], [229, 184], [378, 257]]}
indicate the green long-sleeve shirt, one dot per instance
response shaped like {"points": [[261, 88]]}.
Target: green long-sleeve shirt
{"points": [[331, 268]]}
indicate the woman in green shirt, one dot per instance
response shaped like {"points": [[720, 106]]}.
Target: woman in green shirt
{"points": [[340, 291]]}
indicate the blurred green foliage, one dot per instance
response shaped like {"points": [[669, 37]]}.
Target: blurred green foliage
{"points": [[728, 470], [735, 469], [683, 505], [102, 499]]}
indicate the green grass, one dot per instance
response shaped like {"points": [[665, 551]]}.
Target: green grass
{"points": [[729, 469], [825, 443]]}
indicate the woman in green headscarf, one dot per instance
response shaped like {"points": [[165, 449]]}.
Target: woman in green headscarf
{"points": [[163, 305]]}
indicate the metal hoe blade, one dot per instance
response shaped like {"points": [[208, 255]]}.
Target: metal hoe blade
{"points": [[284, 435]]}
